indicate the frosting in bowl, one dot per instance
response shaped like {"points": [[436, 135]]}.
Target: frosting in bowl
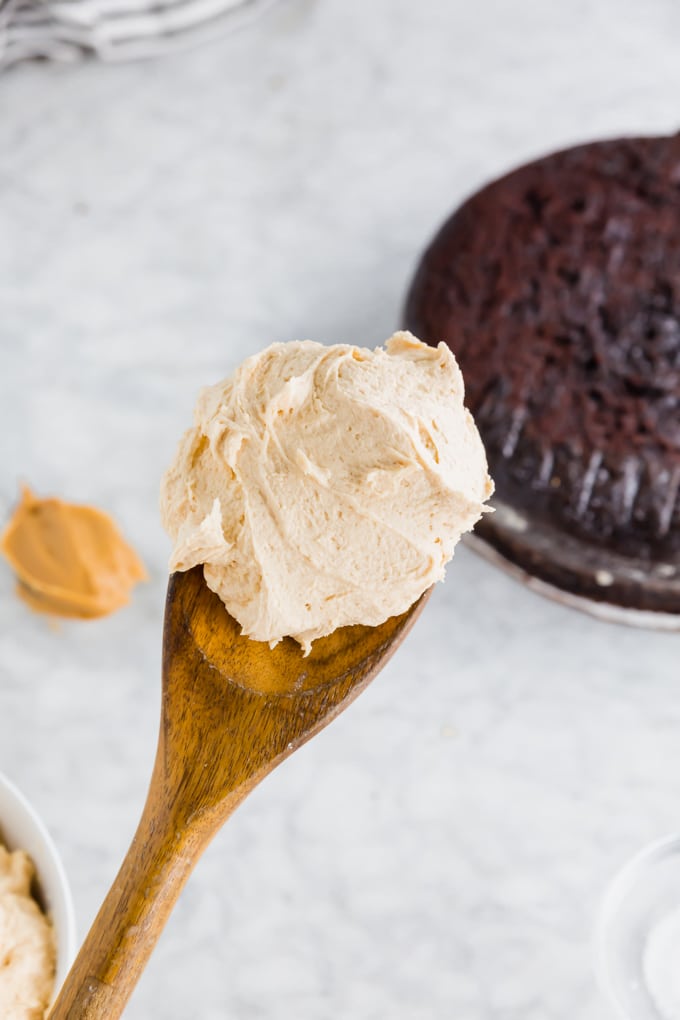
{"points": [[27, 946]]}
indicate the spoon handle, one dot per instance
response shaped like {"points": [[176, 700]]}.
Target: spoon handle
{"points": [[160, 859]]}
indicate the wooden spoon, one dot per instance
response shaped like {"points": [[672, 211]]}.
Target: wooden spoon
{"points": [[232, 709]]}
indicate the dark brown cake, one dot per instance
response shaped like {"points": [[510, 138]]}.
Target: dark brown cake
{"points": [[558, 289]]}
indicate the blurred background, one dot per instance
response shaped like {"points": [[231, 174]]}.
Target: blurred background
{"points": [[442, 848]]}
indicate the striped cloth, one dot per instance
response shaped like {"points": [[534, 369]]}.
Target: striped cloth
{"points": [[112, 29]]}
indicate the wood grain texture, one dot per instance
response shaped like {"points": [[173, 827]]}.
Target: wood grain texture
{"points": [[232, 709]]}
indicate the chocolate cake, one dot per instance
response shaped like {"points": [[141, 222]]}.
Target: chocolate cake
{"points": [[558, 289]]}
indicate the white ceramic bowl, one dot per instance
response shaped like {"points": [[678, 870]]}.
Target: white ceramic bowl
{"points": [[646, 890], [22, 829]]}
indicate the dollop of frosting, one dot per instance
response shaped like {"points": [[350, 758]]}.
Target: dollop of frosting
{"points": [[326, 486], [27, 944]]}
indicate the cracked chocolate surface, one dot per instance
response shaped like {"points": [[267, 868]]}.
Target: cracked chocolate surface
{"points": [[558, 289]]}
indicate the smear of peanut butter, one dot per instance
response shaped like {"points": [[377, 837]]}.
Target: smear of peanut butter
{"points": [[70, 559]]}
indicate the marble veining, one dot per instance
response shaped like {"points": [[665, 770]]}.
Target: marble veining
{"points": [[441, 849]]}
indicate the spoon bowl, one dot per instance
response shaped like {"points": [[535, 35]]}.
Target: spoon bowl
{"points": [[232, 710]]}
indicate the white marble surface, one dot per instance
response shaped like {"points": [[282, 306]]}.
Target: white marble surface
{"points": [[440, 850]]}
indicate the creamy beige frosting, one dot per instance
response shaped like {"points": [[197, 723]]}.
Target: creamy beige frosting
{"points": [[27, 947], [326, 486]]}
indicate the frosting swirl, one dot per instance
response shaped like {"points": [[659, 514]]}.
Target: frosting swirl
{"points": [[326, 486]]}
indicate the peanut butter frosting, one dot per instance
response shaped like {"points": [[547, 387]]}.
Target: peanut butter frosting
{"points": [[27, 944], [326, 486], [70, 559]]}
